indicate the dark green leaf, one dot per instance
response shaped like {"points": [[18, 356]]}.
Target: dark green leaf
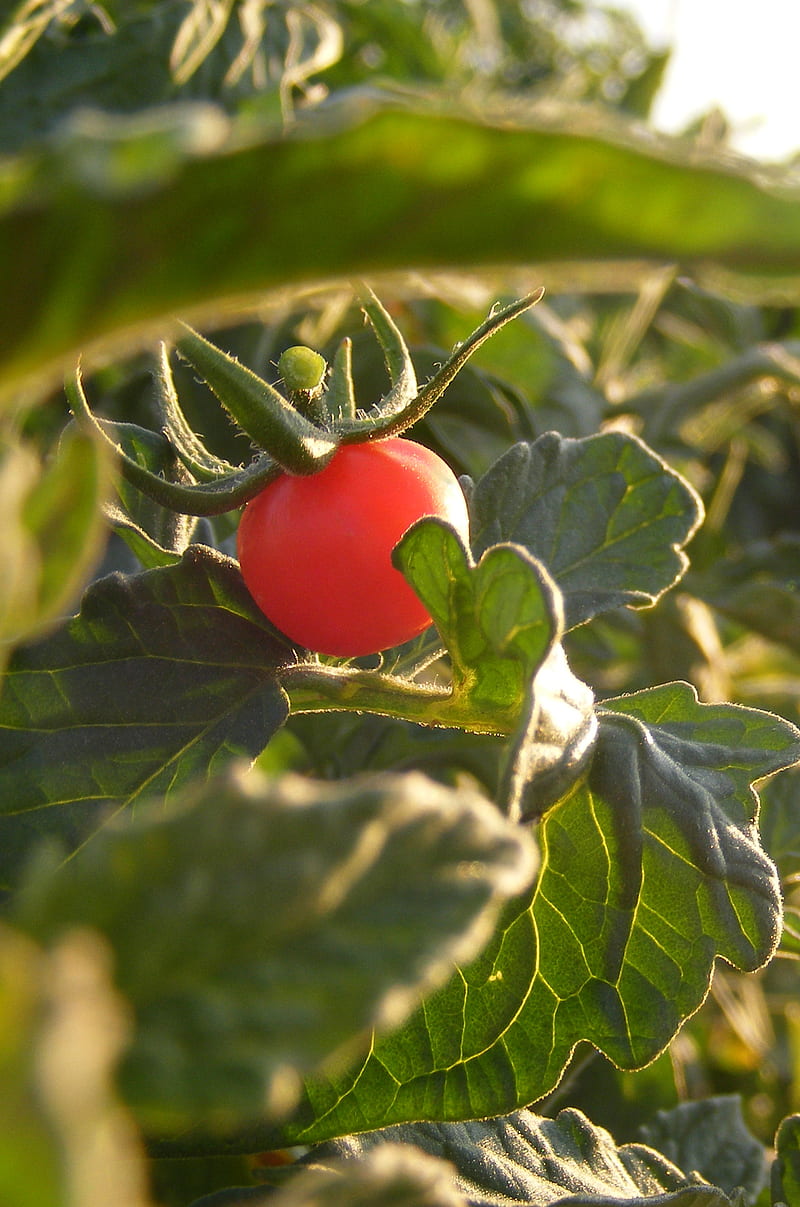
{"points": [[173, 207], [161, 677], [786, 1166], [651, 869], [678, 776], [259, 925], [526, 1159], [604, 514], [710, 1138]]}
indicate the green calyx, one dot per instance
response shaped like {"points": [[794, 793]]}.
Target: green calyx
{"points": [[298, 434]]}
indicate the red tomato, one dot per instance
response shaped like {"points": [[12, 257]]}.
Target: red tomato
{"points": [[315, 551]]}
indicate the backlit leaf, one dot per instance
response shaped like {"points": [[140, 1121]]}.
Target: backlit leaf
{"points": [[180, 210]]}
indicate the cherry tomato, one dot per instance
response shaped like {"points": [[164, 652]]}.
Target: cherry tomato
{"points": [[315, 551]]}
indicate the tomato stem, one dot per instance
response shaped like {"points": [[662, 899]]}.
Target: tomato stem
{"points": [[313, 688], [199, 499], [202, 464], [266, 416], [398, 412], [294, 443], [396, 355], [341, 395]]}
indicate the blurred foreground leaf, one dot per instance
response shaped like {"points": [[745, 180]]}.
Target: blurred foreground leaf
{"points": [[258, 926], [29, 1166], [65, 1138], [178, 209], [52, 532]]}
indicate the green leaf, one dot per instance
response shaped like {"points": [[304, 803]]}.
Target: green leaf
{"points": [[162, 205], [162, 676], [30, 1169], [554, 741], [524, 1158], [52, 533], [710, 1137], [685, 771], [651, 869], [759, 587], [257, 926], [786, 1166], [499, 619], [604, 514], [64, 1136]]}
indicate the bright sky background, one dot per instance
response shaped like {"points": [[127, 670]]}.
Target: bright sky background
{"points": [[739, 54]]}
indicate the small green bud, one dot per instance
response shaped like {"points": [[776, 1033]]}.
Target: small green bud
{"points": [[301, 369]]}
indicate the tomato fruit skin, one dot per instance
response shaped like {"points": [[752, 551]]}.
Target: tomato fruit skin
{"points": [[315, 551]]}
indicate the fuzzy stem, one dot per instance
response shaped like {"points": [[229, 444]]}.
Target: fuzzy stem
{"points": [[393, 420], [271, 422], [326, 689], [200, 499], [202, 464]]}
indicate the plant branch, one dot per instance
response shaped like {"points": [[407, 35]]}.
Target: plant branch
{"points": [[328, 689]]}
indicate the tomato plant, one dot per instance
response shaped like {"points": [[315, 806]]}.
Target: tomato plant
{"points": [[315, 551], [503, 879]]}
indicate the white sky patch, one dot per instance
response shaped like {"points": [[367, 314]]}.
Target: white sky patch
{"points": [[739, 55]]}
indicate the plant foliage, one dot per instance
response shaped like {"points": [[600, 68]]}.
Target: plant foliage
{"points": [[367, 917]]}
